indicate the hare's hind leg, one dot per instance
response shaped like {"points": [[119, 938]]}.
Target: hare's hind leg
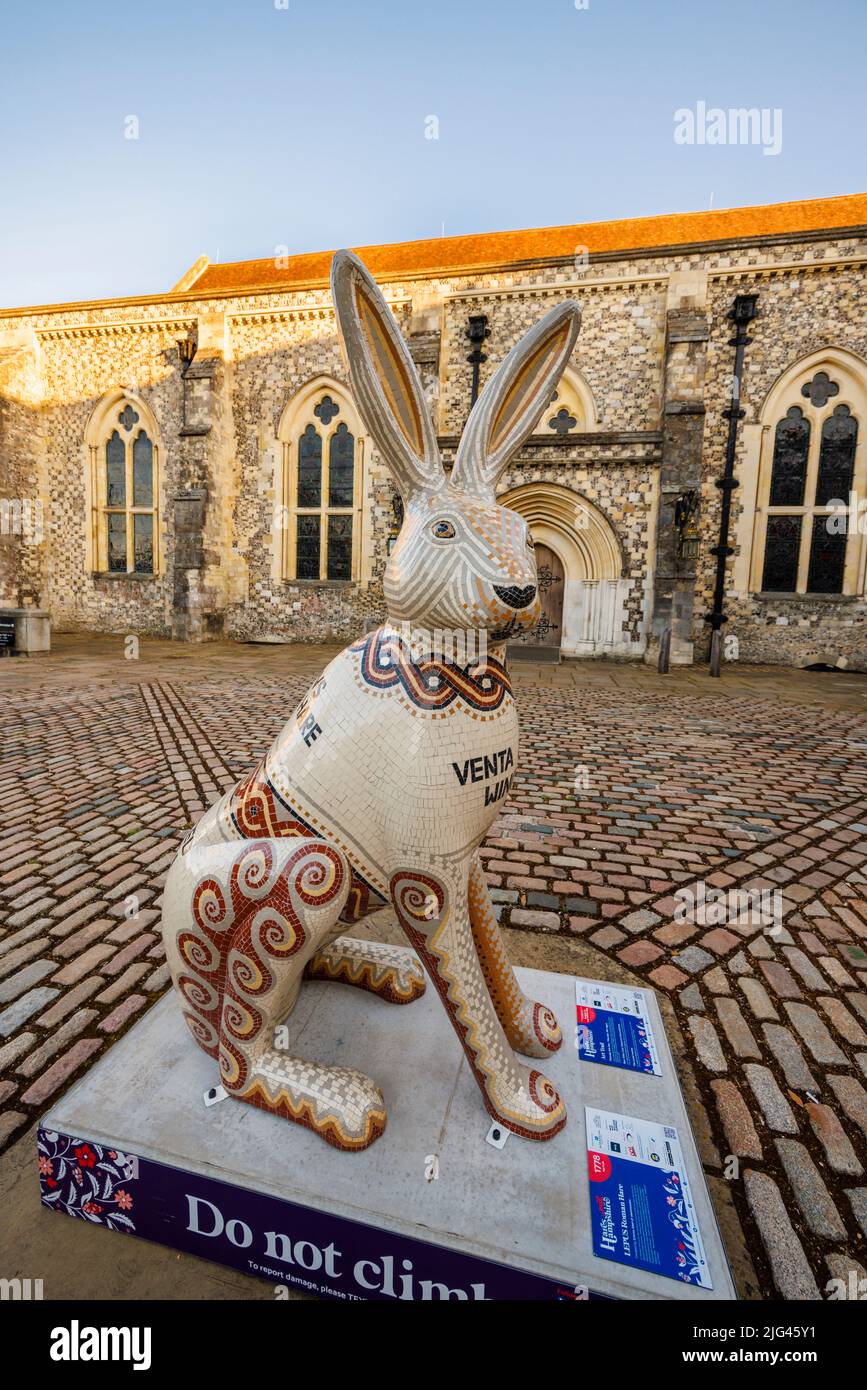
{"points": [[372, 965], [292, 893], [530, 1027], [434, 913]]}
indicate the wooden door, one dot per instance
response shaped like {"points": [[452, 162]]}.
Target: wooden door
{"points": [[548, 631]]}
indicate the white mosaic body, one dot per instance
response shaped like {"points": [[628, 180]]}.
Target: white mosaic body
{"points": [[392, 773]]}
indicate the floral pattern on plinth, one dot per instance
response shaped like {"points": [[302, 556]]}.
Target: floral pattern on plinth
{"points": [[86, 1180]]}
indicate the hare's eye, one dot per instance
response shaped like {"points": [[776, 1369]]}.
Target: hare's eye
{"points": [[443, 530]]}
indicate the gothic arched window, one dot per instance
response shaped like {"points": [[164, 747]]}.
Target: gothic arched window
{"points": [[807, 540], [124, 488], [323, 475], [571, 409]]}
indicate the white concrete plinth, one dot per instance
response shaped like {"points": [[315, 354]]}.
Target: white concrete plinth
{"points": [[525, 1206], [32, 629]]}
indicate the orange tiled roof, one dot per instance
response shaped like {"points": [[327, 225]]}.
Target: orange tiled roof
{"points": [[489, 249]]}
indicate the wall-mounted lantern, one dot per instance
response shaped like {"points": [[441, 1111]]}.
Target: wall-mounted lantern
{"points": [[186, 352], [477, 332], [686, 524]]}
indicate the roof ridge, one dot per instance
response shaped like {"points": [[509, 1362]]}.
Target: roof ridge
{"points": [[548, 227]]}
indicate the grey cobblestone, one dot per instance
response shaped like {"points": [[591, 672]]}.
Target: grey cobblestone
{"points": [[774, 1106], [737, 1031], [811, 1194], [15, 1049], [17, 939], [852, 1274], [852, 1098], [693, 959], [641, 920], [834, 1140], [858, 1202], [69, 1001], [22, 953], [841, 1019], [707, 1044], [15, 985], [26, 914], [790, 1057], [736, 1120], [816, 1036], [758, 999], [801, 963], [24, 1008], [789, 1264], [57, 1042], [691, 999]]}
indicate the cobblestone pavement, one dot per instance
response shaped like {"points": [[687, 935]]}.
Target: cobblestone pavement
{"points": [[632, 789]]}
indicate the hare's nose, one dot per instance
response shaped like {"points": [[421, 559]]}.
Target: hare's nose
{"points": [[516, 598]]}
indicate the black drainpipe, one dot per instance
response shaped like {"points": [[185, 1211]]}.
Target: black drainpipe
{"points": [[742, 314]]}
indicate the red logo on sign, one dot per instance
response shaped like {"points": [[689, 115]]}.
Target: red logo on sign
{"points": [[585, 1013], [598, 1166]]}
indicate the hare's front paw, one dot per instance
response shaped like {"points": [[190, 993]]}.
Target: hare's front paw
{"points": [[533, 1109]]}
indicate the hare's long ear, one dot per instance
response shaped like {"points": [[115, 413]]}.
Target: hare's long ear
{"points": [[384, 379], [514, 398]]}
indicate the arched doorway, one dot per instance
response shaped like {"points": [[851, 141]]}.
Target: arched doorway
{"points": [[589, 604]]}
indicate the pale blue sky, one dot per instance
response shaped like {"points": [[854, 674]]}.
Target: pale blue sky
{"points": [[262, 127]]}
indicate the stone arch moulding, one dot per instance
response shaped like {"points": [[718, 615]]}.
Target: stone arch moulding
{"points": [[596, 588], [298, 412], [94, 437], [849, 371], [575, 395], [836, 359]]}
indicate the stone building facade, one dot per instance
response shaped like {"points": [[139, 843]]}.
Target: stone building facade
{"points": [[192, 465]]}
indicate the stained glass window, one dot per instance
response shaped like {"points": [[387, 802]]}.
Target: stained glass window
{"points": [[326, 410], [310, 469], [323, 490], [563, 422], [339, 547], [782, 551], [812, 469], [819, 389], [116, 542], [827, 558], [307, 547], [789, 468], [127, 523], [341, 468], [143, 542], [115, 471], [836, 456], [142, 472]]}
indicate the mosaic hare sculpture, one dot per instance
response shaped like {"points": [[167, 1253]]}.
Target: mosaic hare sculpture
{"points": [[382, 786]]}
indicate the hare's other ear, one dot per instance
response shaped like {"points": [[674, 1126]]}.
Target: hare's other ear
{"points": [[514, 398], [384, 379]]}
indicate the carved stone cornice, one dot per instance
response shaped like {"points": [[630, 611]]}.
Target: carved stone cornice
{"points": [[118, 327]]}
